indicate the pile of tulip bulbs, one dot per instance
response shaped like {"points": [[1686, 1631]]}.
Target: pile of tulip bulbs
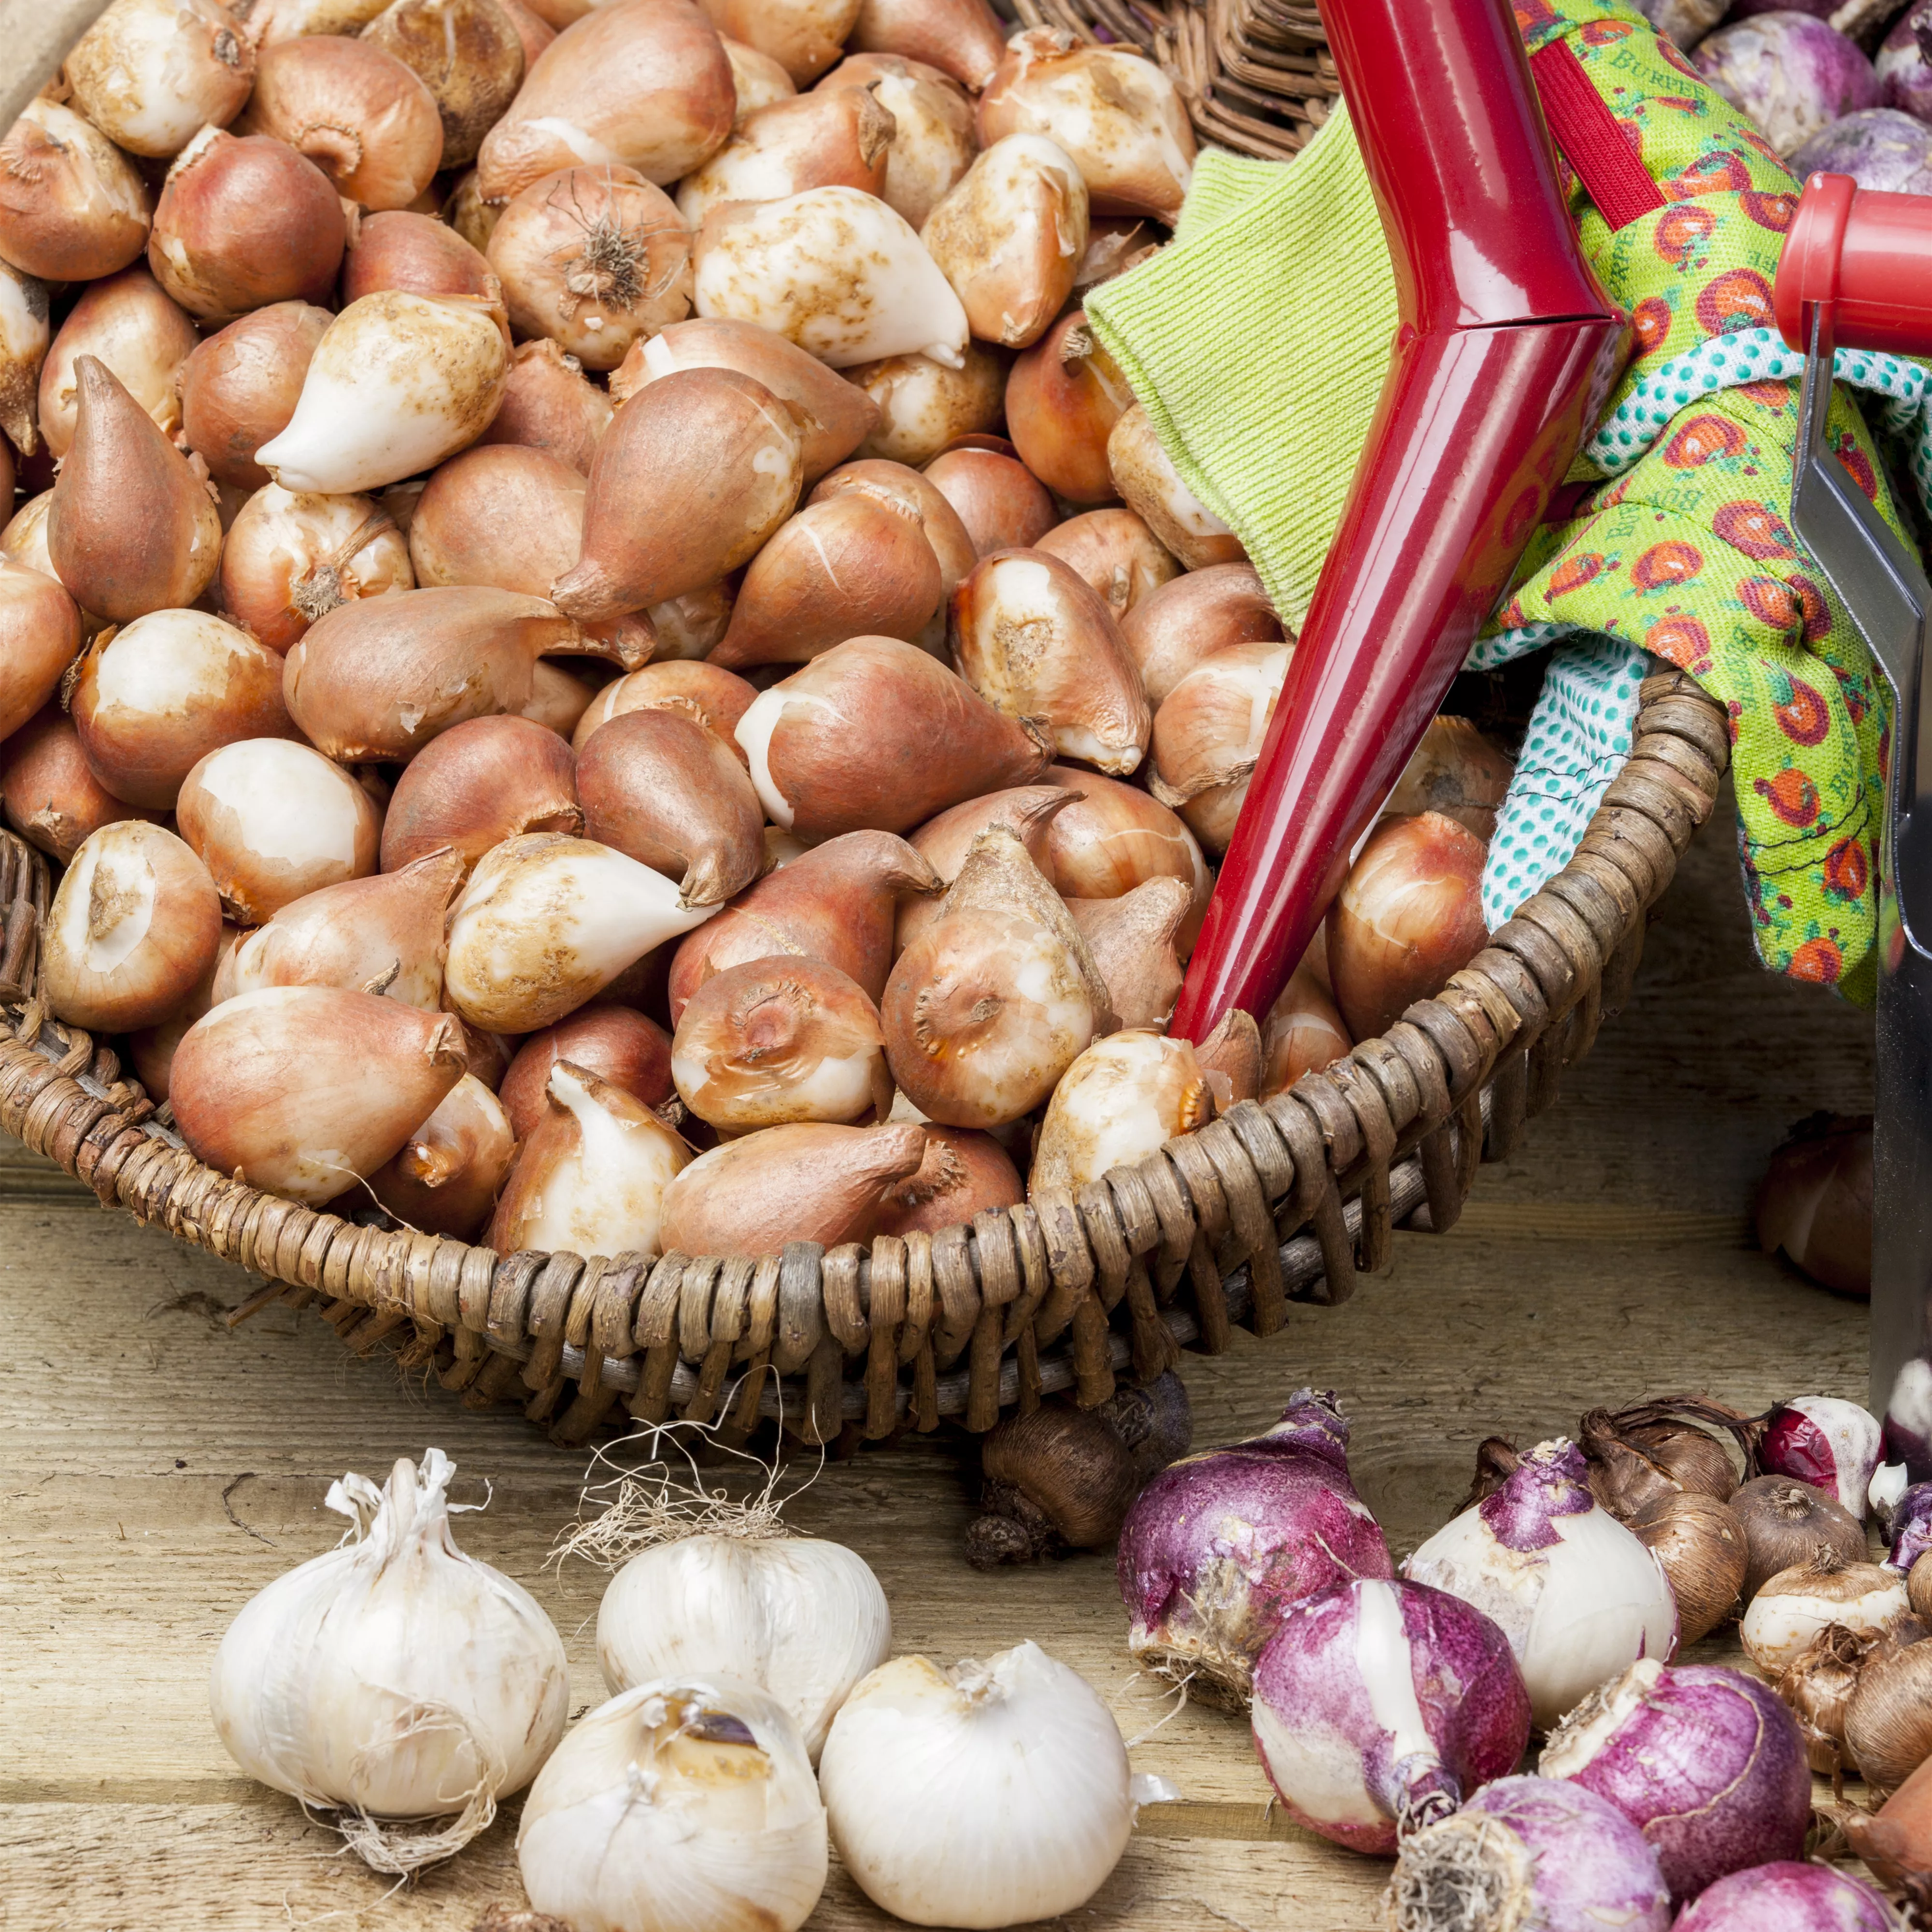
{"points": [[609, 663]]}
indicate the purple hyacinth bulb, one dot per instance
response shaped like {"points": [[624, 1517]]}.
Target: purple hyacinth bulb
{"points": [[1378, 1706], [1823, 1440], [1911, 1528], [1882, 148], [1904, 73], [1791, 73], [1216, 1546], [1789, 1898], [1708, 1763], [1553, 1480], [1528, 1852]]}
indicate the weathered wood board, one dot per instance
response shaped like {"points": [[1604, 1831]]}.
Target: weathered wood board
{"points": [[156, 1469]]}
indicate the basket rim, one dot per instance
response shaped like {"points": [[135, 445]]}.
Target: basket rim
{"points": [[1280, 1199]]}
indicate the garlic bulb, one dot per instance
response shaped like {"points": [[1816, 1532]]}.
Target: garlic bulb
{"points": [[685, 1805], [393, 1675], [803, 1619], [991, 1794]]}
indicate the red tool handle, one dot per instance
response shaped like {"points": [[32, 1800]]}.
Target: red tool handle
{"points": [[1867, 257], [1506, 348]]}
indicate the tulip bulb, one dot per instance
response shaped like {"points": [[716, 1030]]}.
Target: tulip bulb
{"points": [[39, 636], [238, 388], [1032, 637], [833, 418], [468, 214], [150, 74], [810, 1181], [546, 921], [397, 249], [127, 321], [73, 208], [711, 697], [595, 258], [874, 733], [963, 38], [672, 794], [964, 1174], [1063, 397], [896, 485], [23, 356], [778, 1040], [274, 821], [693, 475], [935, 143], [446, 1179], [266, 22], [469, 55], [1119, 117], [645, 84], [804, 37], [1114, 837], [51, 798], [150, 1050], [1409, 915], [1144, 475], [480, 783], [1124, 1098], [355, 110], [985, 1011], [757, 79], [398, 382], [835, 270], [1003, 506], [620, 1045], [131, 529], [1304, 1033], [839, 139], [382, 934], [303, 1091], [134, 925], [550, 404], [925, 405], [834, 903], [154, 698], [1187, 621], [1455, 771], [1120, 556], [291, 558], [1134, 940], [1208, 734]]}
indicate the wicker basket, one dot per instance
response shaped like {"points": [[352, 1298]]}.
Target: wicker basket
{"points": [[1284, 1200]]}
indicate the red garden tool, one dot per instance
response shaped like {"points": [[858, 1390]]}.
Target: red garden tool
{"points": [[1506, 349], [1856, 273]]}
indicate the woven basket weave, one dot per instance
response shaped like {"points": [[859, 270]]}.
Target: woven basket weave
{"points": [[1285, 1200]]}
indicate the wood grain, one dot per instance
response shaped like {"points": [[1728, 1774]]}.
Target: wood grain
{"points": [[156, 1469]]}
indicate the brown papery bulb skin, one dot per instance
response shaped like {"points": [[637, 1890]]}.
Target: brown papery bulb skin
{"points": [[840, 139], [965, 1173], [1145, 475], [1122, 1100], [360, 115], [469, 56], [935, 143], [243, 221], [898, 483], [1231, 1057], [73, 208], [757, 79], [154, 698], [779, 1040], [1188, 619], [1817, 1685], [1888, 1721], [51, 798], [1133, 940], [381, 933], [446, 1179], [1409, 916], [1897, 1843], [550, 404], [852, 567], [291, 557], [131, 528], [808, 1182], [499, 515], [618, 1045], [534, 33], [134, 925], [26, 309], [875, 733], [151, 1049], [595, 258], [835, 903], [711, 697], [1063, 396], [150, 73], [301, 1090], [1700, 1544], [944, 842], [1003, 506], [238, 387], [274, 821], [1918, 1588], [1303, 1033], [480, 782], [129, 321], [646, 82], [1786, 1522], [1034, 638], [671, 792], [1457, 772], [1815, 1201], [1209, 732], [924, 406], [1120, 117], [379, 678], [963, 38], [1115, 836], [39, 636], [1115, 243], [396, 249], [804, 37], [691, 477]]}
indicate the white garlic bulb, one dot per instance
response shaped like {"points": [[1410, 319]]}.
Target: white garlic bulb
{"points": [[685, 1805], [991, 1794], [394, 1676], [803, 1619]]}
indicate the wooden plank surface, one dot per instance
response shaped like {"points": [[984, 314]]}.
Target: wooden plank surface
{"points": [[156, 1470]]}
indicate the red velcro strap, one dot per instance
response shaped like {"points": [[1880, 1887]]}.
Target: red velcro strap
{"points": [[1592, 143]]}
